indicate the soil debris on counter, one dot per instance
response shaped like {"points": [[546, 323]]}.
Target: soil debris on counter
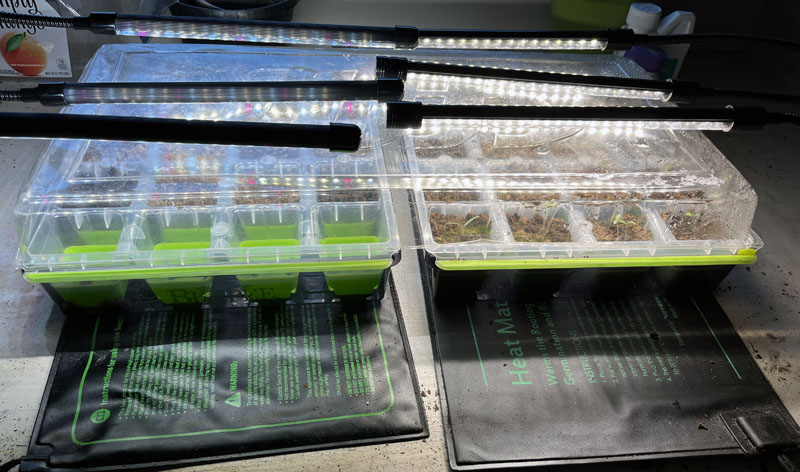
{"points": [[448, 229]]}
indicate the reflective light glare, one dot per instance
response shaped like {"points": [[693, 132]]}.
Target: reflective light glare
{"points": [[521, 89], [603, 127], [519, 43]]}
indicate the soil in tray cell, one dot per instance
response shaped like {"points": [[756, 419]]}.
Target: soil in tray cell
{"points": [[182, 202], [98, 194], [120, 151], [450, 196], [680, 195], [537, 229], [433, 147], [527, 196], [456, 152], [529, 166], [457, 229], [249, 195], [692, 226], [187, 179], [340, 196], [491, 151], [607, 196], [180, 191], [96, 204], [625, 227]]}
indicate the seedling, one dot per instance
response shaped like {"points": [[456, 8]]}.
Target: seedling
{"points": [[547, 218], [471, 220], [618, 220], [539, 227], [450, 229], [692, 225], [622, 227]]}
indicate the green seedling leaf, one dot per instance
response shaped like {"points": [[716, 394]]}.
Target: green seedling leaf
{"points": [[617, 219], [471, 220], [14, 42]]}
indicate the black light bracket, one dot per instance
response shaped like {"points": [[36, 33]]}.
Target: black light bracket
{"points": [[333, 136]]}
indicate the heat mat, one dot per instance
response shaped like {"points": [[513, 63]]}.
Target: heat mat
{"points": [[166, 388], [541, 380]]}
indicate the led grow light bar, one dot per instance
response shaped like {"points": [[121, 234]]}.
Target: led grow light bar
{"points": [[276, 32], [530, 81], [522, 83], [335, 136], [61, 94], [398, 37], [604, 119]]}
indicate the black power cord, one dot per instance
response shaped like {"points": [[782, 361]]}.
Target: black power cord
{"points": [[747, 95], [696, 38], [10, 465]]}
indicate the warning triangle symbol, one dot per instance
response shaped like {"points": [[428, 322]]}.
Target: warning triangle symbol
{"points": [[234, 400]]}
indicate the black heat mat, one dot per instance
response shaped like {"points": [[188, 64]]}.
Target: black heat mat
{"points": [[165, 388], [567, 379]]}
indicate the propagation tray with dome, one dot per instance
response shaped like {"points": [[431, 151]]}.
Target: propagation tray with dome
{"points": [[97, 214]]}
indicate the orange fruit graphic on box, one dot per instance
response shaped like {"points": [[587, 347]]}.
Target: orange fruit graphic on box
{"points": [[23, 53]]}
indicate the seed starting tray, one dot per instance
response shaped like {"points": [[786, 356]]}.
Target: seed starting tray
{"points": [[98, 214]]}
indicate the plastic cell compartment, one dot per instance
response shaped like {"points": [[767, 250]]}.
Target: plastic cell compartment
{"points": [[97, 215], [272, 232]]}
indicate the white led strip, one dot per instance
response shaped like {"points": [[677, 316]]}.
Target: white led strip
{"points": [[630, 128], [533, 90], [520, 43]]}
